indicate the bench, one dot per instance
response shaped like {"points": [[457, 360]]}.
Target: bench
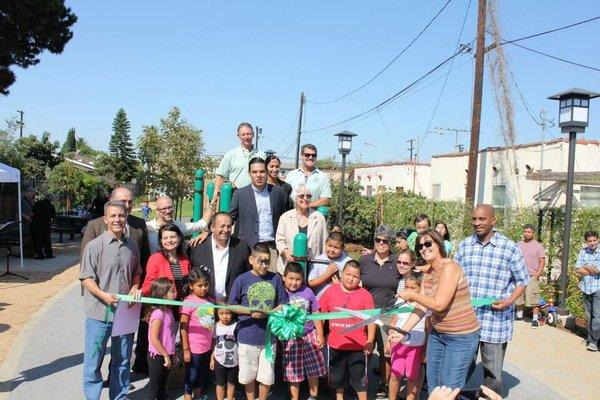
{"points": [[71, 224]]}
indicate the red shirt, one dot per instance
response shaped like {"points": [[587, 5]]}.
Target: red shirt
{"points": [[359, 299], [159, 267]]}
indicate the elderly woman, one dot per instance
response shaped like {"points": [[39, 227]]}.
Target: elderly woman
{"points": [[300, 219], [380, 277], [170, 262], [445, 292]]}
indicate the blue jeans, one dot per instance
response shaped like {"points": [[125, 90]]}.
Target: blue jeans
{"points": [[591, 302], [96, 337], [449, 357]]}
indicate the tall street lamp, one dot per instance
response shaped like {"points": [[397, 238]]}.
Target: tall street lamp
{"points": [[344, 147], [573, 119]]}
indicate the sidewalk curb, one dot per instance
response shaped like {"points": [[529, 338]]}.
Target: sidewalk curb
{"points": [[8, 369]]}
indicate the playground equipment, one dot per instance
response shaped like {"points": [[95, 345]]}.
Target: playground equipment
{"points": [[225, 199], [300, 249], [210, 191], [548, 313], [198, 197], [323, 210]]}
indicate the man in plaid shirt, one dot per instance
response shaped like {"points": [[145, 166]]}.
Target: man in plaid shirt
{"points": [[495, 268], [588, 266]]}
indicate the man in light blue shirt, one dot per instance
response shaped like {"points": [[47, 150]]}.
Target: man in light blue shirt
{"points": [[588, 266], [256, 208], [234, 165], [317, 181]]}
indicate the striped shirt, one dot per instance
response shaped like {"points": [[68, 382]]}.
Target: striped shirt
{"points": [[459, 317], [177, 278], [589, 283], [493, 269]]}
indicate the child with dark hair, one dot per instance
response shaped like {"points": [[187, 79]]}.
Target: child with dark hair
{"points": [[348, 352], [260, 291], [197, 326], [406, 357], [421, 223], [161, 338], [302, 359], [224, 360], [321, 276]]}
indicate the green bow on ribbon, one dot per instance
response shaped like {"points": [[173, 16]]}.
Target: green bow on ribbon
{"points": [[285, 324]]}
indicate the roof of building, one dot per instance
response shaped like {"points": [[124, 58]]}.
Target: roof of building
{"points": [[520, 146], [391, 164]]}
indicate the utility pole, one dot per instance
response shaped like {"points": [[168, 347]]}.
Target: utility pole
{"points": [[414, 163], [258, 133], [457, 146], [302, 99], [21, 124], [476, 116]]}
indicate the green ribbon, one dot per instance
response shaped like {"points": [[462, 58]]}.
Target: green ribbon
{"points": [[285, 324]]}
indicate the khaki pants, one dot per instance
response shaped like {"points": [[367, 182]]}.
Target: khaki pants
{"points": [[531, 296]]}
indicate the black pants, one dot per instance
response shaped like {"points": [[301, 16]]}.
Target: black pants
{"points": [[141, 349], [157, 385], [42, 243]]}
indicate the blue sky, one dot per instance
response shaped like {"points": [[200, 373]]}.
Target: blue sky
{"points": [[227, 62]]}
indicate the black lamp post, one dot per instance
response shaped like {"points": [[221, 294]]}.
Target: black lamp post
{"points": [[270, 153], [573, 119], [344, 147]]}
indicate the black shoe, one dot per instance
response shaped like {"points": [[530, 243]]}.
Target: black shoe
{"points": [[39, 257]]}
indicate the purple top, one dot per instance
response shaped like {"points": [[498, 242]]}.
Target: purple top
{"points": [[167, 332], [304, 298]]}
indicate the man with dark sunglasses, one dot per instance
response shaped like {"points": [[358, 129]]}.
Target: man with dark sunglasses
{"points": [[317, 181]]}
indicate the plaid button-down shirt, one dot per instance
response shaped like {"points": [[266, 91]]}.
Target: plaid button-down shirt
{"points": [[494, 270], [589, 283]]}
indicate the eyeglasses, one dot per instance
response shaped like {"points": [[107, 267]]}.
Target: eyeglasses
{"points": [[168, 208], [382, 240], [264, 262], [426, 244], [404, 263], [310, 155], [304, 196]]}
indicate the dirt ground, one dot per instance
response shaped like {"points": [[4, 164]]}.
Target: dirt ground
{"points": [[19, 300]]}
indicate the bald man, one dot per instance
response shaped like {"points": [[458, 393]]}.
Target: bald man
{"points": [[164, 215], [495, 268]]}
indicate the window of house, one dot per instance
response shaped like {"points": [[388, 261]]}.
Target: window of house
{"points": [[499, 196], [589, 196], [436, 191]]}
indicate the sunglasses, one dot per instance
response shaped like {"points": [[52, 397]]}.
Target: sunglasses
{"points": [[304, 196], [426, 244], [310, 155], [169, 208], [381, 240], [403, 263], [264, 262]]}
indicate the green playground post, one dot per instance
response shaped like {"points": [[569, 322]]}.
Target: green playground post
{"points": [[198, 196], [300, 249], [210, 191], [225, 199]]}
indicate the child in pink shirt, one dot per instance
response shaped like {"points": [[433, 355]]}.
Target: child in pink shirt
{"points": [[197, 326], [161, 339]]}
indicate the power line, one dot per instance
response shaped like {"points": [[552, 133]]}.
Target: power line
{"points": [[549, 31], [437, 103], [391, 98], [388, 64], [557, 58]]}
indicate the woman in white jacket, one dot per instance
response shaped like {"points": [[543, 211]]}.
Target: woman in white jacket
{"points": [[300, 219]]}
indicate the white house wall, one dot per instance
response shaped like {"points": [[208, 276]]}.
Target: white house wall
{"points": [[393, 177]]}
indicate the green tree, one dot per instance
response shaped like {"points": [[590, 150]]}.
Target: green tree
{"points": [[70, 144], [9, 152], [121, 148], [28, 27], [39, 156], [328, 163], [170, 154], [84, 148], [66, 180]]}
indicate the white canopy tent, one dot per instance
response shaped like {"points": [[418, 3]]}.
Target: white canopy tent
{"points": [[9, 174]]}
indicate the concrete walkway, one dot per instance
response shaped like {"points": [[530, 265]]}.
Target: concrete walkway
{"points": [[46, 360]]}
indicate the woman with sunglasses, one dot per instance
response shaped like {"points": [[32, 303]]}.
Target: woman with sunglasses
{"points": [[380, 277], [445, 292], [300, 219]]}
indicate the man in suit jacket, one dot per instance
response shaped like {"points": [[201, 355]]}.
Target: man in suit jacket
{"points": [[256, 209], [225, 256], [136, 230]]}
